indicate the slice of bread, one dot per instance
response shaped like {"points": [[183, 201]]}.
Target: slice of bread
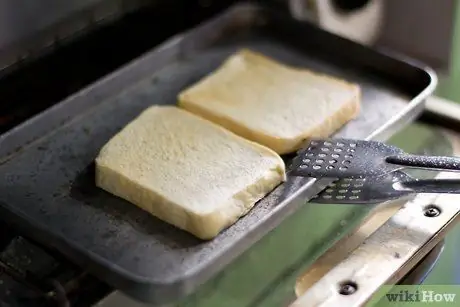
{"points": [[186, 170], [272, 104]]}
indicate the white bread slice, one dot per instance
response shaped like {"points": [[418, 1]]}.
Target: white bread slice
{"points": [[270, 103], [186, 170]]}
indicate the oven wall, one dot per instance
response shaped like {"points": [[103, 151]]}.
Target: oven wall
{"points": [[420, 28], [21, 18]]}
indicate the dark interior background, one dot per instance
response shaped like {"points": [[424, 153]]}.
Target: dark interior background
{"points": [[36, 84]]}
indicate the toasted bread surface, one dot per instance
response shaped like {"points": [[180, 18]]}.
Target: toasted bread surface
{"points": [[186, 170], [270, 103]]}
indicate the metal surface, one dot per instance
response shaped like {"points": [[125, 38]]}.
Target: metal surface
{"points": [[388, 254], [373, 190], [28, 28], [378, 216], [345, 158], [421, 271], [23, 18], [47, 187], [303, 10], [442, 112]]}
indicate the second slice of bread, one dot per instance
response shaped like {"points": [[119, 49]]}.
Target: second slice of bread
{"points": [[272, 104]]}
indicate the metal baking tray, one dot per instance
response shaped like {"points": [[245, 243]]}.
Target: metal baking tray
{"points": [[47, 183]]}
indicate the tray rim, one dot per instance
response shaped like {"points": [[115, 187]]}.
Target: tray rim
{"points": [[416, 105]]}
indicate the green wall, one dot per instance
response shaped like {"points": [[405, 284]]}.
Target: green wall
{"points": [[449, 86], [447, 271]]}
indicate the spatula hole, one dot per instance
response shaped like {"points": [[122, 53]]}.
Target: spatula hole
{"points": [[342, 191], [343, 168], [321, 155], [327, 143], [355, 191], [316, 167], [319, 161], [340, 197], [303, 166], [306, 160], [330, 167], [340, 144], [358, 185], [345, 185], [338, 149], [352, 145], [325, 149], [350, 150], [327, 196], [348, 156], [332, 161], [335, 155], [354, 197], [313, 143]]}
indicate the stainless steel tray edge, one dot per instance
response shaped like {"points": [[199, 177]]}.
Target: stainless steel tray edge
{"points": [[417, 104]]}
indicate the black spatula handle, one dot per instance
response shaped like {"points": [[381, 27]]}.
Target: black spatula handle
{"points": [[427, 162], [431, 186]]}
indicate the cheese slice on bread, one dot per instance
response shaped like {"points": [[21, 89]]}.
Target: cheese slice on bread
{"points": [[186, 170], [270, 103]]}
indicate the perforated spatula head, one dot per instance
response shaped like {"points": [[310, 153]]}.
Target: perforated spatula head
{"points": [[370, 190], [344, 158]]}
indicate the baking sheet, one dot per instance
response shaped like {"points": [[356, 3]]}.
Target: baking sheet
{"points": [[47, 187]]}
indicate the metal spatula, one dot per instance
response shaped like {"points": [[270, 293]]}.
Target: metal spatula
{"points": [[375, 190], [346, 158]]}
